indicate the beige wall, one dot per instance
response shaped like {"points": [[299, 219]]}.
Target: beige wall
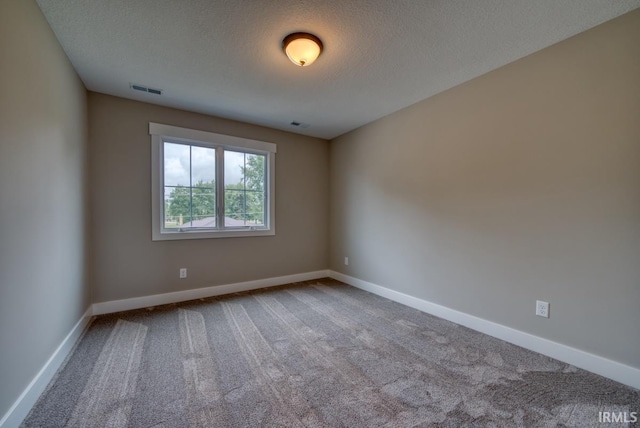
{"points": [[522, 184], [128, 264], [43, 133]]}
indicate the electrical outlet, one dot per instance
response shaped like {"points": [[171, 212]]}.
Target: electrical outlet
{"points": [[183, 273], [346, 261], [542, 308]]}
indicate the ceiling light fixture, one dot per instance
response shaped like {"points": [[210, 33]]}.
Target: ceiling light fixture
{"points": [[302, 48]]}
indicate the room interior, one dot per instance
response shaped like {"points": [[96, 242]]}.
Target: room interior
{"points": [[467, 177]]}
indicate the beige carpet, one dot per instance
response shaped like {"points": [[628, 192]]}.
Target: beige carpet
{"points": [[312, 354]]}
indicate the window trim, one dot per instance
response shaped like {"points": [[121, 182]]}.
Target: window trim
{"points": [[159, 133]]}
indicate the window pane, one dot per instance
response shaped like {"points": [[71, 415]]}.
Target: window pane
{"points": [[203, 174], [177, 206], [189, 187], [176, 164], [233, 168], [244, 189], [203, 165], [254, 172], [234, 191], [255, 208], [234, 206], [203, 206], [254, 177]]}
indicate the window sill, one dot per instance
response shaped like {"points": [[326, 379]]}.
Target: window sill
{"points": [[178, 236]]}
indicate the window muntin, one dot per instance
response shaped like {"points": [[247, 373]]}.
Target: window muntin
{"points": [[207, 185]]}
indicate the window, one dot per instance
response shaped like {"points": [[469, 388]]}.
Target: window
{"points": [[207, 185]]}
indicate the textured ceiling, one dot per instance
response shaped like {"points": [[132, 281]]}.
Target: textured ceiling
{"points": [[223, 57]]}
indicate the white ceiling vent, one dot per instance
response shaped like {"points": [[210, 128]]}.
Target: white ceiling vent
{"points": [[145, 89]]}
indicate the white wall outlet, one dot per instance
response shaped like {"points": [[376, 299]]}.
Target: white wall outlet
{"points": [[346, 261], [183, 273], [542, 308]]}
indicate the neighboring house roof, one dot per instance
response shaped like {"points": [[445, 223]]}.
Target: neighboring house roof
{"points": [[211, 222]]}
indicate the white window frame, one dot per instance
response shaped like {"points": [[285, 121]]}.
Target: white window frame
{"points": [[161, 133]]}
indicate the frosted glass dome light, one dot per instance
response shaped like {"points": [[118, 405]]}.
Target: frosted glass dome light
{"points": [[302, 48]]}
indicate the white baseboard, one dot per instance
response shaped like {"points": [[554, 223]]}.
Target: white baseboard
{"points": [[20, 409], [199, 293], [608, 368]]}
